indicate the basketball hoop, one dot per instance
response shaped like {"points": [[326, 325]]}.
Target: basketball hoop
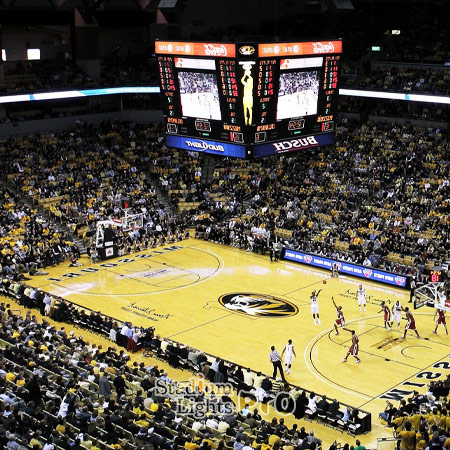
{"points": [[428, 294], [129, 222]]}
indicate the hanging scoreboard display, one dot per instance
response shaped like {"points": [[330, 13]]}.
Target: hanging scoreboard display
{"points": [[249, 100]]}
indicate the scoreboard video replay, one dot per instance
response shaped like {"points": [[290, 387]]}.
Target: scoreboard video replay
{"points": [[249, 100]]}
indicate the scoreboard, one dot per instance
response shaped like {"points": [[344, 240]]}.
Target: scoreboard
{"points": [[437, 275], [249, 100]]}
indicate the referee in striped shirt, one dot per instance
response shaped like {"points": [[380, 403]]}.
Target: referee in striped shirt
{"points": [[275, 359]]}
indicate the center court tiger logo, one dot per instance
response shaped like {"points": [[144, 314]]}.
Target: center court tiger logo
{"points": [[258, 305]]}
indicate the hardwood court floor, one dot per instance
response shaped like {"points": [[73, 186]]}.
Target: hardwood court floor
{"points": [[177, 290]]}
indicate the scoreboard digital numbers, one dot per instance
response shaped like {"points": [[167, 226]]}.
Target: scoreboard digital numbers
{"points": [[437, 275], [249, 100]]}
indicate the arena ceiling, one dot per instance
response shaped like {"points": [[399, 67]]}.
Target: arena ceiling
{"points": [[125, 13], [87, 5], [122, 13]]}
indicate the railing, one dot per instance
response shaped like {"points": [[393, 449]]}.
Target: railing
{"points": [[387, 443]]}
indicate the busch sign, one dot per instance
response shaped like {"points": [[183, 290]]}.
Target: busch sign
{"points": [[284, 146]]}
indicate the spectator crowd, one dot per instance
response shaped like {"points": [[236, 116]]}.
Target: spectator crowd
{"points": [[421, 421], [406, 79], [79, 177], [43, 75], [382, 202]]}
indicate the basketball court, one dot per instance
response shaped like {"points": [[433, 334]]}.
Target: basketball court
{"points": [[203, 294]]}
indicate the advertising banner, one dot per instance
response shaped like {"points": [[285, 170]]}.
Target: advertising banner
{"points": [[346, 268]]}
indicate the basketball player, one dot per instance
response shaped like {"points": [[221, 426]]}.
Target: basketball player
{"points": [[387, 315], [440, 320], [361, 297], [340, 321], [397, 313], [441, 296], [247, 100], [315, 306], [354, 347], [288, 352], [334, 270], [410, 324]]}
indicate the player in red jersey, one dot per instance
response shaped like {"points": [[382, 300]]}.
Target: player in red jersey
{"points": [[354, 347], [340, 321], [410, 324], [387, 315], [440, 313]]}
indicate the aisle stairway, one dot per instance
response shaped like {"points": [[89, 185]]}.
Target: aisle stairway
{"points": [[44, 213], [208, 167], [161, 194]]}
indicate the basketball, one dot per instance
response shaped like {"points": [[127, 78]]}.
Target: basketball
{"points": [[324, 281]]}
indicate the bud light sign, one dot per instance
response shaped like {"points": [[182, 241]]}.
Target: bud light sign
{"points": [[354, 270], [206, 146]]}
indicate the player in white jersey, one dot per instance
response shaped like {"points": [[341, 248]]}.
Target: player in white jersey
{"points": [[288, 353], [442, 297], [397, 313], [334, 270], [361, 296], [315, 306]]}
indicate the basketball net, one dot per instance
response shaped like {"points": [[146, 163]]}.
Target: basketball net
{"points": [[432, 294]]}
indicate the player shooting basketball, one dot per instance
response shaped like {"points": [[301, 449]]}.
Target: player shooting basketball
{"points": [[247, 100]]}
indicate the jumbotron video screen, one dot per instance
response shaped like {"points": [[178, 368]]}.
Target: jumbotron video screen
{"points": [[249, 100]]}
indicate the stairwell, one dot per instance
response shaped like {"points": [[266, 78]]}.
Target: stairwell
{"points": [[246, 202], [208, 167], [82, 245], [162, 196]]}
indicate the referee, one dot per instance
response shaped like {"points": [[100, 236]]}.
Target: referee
{"points": [[275, 359], [412, 288]]}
